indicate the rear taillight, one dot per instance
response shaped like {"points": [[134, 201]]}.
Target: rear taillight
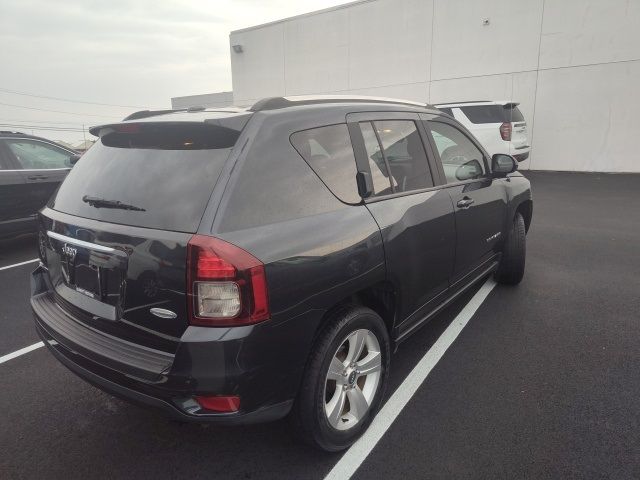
{"points": [[505, 131], [226, 286], [215, 403]]}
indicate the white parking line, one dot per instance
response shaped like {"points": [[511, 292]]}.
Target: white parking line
{"points": [[19, 264], [354, 457], [22, 351]]}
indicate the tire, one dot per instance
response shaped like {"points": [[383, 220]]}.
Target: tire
{"points": [[511, 268], [318, 392]]}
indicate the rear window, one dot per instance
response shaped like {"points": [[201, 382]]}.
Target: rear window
{"points": [[149, 175], [492, 114], [329, 153]]}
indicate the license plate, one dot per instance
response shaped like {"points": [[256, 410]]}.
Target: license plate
{"points": [[87, 280], [79, 272], [92, 273], [83, 269]]}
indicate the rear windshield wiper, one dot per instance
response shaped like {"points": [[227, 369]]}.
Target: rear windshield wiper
{"points": [[103, 203]]}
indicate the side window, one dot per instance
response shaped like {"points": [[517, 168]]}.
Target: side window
{"points": [[329, 153], [460, 158], [448, 111], [379, 172], [4, 164], [395, 149], [404, 153], [32, 154]]}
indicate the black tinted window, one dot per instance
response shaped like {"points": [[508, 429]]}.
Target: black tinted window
{"points": [[516, 115], [377, 165], [446, 110], [460, 158], [329, 153], [492, 114], [168, 180], [274, 185], [404, 154]]}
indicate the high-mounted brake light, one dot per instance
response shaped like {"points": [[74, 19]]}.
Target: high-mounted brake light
{"points": [[127, 128], [505, 131], [226, 286]]}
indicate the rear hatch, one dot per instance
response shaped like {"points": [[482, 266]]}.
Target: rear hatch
{"points": [[114, 237], [489, 120]]}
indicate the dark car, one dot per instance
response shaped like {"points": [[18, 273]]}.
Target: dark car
{"points": [[242, 265], [31, 168]]}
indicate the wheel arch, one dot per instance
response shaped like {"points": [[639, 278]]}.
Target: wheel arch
{"points": [[381, 297], [525, 209]]}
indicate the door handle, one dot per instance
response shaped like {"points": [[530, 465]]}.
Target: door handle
{"points": [[38, 177], [466, 202]]}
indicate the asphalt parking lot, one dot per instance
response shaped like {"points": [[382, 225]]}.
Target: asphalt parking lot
{"points": [[543, 382]]}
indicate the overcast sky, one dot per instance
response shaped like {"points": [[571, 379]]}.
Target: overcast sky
{"points": [[136, 53]]}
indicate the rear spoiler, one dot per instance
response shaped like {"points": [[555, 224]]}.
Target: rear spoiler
{"points": [[511, 104]]}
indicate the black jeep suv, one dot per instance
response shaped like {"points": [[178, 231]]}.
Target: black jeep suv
{"points": [[241, 265]]}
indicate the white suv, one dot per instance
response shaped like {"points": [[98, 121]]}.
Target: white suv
{"points": [[498, 126]]}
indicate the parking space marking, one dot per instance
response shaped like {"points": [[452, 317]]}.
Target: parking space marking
{"points": [[354, 456], [20, 264], [22, 351]]}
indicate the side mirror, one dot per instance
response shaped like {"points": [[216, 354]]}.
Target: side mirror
{"points": [[502, 165], [469, 170], [73, 159]]}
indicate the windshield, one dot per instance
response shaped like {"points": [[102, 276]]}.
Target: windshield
{"points": [[163, 187]]}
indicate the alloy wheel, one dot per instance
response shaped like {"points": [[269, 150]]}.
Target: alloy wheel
{"points": [[353, 379]]}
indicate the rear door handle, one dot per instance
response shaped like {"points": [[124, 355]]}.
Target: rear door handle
{"points": [[466, 202]]}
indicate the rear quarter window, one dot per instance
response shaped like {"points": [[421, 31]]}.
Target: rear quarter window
{"points": [[273, 184], [329, 153]]}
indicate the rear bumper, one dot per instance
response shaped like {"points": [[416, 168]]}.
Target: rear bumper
{"points": [[80, 367], [207, 362], [520, 153]]}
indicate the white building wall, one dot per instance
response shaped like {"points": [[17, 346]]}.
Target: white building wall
{"points": [[574, 65], [258, 71], [387, 43], [323, 38], [219, 99], [464, 47]]}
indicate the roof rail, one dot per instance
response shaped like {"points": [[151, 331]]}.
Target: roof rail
{"points": [[274, 103], [464, 103]]}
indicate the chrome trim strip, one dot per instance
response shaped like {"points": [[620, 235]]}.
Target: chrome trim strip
{"points": [[163, 313], [81, 243]]}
